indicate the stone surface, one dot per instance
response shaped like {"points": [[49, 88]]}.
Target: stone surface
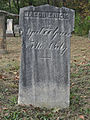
{"points": [[3, 46], [45, 60], [89, 34], [9, 30], [16, 30]]}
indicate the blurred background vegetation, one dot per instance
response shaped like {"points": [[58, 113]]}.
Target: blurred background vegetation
{"points": [[81, 7]]}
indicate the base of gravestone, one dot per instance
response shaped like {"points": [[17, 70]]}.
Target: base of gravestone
{"points": [[16, 34], [54, 97], [10, 35]]}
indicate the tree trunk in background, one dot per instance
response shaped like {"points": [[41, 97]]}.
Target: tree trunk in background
{"points": [[64, 1], [31, 2], [18, 6], [48, 1], [10, 5], [56, 2]]}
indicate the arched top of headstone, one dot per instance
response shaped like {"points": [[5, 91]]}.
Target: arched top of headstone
{"points": [[38, 12], [46, 7]]}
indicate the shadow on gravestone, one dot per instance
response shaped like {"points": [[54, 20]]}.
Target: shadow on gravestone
{"points": [[45, 60]]}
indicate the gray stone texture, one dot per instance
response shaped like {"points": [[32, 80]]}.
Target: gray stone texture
{"points": [[16, 30], [45, 60], [3, 46], [9, 31], [89, 34]]}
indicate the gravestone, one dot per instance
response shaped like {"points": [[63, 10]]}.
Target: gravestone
{"points": [[89, 34], [16, 30], [9, 31], [45, 60], [3, 46]]}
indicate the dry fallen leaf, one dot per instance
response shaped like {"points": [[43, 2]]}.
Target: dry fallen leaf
{"points": [[6, 114], [15, 73], [5, 108], [58, 118], [16, 77], [56, 110], [81, 117], [73, 83]]}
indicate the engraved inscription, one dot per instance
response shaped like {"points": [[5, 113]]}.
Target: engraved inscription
{"points": [[50, 44], [44, 31], [59, 15]]}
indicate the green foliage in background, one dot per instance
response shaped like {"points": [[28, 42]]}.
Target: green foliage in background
{"points": [[82, 26], [81, 7]]}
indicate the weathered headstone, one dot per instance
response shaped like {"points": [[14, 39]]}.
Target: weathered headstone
{"points": [[9, 30], [3, 46], [89, 34], [16, 30], [45, 60]]}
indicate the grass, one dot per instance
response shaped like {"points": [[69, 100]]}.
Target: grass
{"points": [[80, 85]]}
